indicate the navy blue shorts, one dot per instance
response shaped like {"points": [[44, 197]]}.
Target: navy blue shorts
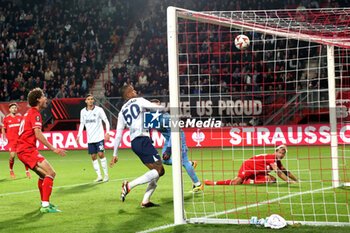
{"points": [[96, 147], [142, 146]]}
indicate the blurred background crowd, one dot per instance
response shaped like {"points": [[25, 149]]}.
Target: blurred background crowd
{"points": [[61, 46]]}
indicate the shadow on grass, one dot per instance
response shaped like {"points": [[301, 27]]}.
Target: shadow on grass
{"points": [[29, 217], [13, 180], [138, 218], [76, 189]]}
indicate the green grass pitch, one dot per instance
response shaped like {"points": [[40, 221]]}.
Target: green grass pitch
{"points": [[90, 207]]}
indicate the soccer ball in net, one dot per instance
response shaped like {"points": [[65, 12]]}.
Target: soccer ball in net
{"points": [[242, 42]]}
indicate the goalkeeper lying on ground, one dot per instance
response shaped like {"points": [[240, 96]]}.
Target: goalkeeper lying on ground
{"points": [[256, 170]]}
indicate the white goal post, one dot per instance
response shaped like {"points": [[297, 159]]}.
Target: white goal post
{"points": [[330, 31]]}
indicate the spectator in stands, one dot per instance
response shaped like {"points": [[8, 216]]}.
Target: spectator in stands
{"points": [[142, 79], [108, 89], [114, 38], [131, 67], [144, 62], [62, 93], [41, 41], [48, 74], [313, 83]]}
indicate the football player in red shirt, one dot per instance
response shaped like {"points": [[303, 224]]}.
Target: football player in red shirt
{"points": [[10, 132], [29, 133], [256, 170]]}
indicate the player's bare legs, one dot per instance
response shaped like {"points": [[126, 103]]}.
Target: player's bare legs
{"points": [[44, 169], [157, 166]]}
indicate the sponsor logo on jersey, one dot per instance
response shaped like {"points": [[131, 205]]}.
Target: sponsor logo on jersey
{"points": [[91, 121]]}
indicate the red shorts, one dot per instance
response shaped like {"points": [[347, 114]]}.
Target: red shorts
{"points": [[249, 173], [245, 173], [30, 158], [12, 146]]}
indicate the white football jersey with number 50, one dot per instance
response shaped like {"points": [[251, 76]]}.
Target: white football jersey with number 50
{"points": [[131, 114]]}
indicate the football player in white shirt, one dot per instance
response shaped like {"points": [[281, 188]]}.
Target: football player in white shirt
{"points": [[91, 117], [131, 114]]}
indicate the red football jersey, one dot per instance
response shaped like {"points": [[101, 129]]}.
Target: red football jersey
{"points": [[262, 163], [11, 124], [27, 140]]}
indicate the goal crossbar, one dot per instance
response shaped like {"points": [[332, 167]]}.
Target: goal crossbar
{"points": [[338, 35]]}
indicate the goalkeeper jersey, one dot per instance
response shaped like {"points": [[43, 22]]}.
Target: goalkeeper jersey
{"points": [[165, 130]]}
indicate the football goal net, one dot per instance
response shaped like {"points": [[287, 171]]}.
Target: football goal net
{"points": [[276, 77]]}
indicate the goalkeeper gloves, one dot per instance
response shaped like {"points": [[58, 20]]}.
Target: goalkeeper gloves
{"points": [[167, 153]]}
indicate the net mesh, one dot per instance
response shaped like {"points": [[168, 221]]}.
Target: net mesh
{"points": [[274, 92]]}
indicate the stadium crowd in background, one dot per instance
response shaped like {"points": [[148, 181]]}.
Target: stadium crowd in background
{"points": [[61, 46], [58, 46], [147, 65]]}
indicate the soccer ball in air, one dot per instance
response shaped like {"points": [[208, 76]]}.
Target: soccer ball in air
{"points": [[242, 42]]}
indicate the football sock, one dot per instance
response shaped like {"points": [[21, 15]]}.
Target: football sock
{"points": [[223, 182], [40, 186], [149, 190], [145, 178], [97, 167], [190, 171], [11, 164], [47, 188], [45, 204], [197, 184], [104, 166]]}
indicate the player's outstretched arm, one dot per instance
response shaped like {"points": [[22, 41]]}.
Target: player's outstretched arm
{"points": [[118, 138], [81, 127], [167, 153], [281, 174], [288, 173], [39, 135], [59, 151], [105, 120], [3, 131], [149, 105]]}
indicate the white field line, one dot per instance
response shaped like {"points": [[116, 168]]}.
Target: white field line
{"points": [[267, 202], [157, 228], [242, 208], [63, 186]]}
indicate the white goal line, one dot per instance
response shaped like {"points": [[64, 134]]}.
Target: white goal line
{"points": [[267, 202]]}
